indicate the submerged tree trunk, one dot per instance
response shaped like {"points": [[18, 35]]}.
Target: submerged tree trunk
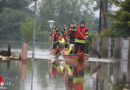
{"points": [[24, 51]]}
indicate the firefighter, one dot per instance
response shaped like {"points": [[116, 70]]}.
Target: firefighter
{"points": [[64, 37], [80, 38], [72, 30], [56, 38]]}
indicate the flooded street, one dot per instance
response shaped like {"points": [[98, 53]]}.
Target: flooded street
{"points": [[17, 75]]}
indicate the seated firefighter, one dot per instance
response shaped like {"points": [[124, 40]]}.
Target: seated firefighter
{"points": [[64, 37]]}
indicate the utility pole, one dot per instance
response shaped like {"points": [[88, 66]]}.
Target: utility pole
{"points": [[34, 36], [34, 29]]}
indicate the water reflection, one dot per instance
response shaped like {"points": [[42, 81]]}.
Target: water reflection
{"points": [[64, 75], [73, 75], [8, 65], [23, 70], [121, 76], [128, 79], [71, 71]]}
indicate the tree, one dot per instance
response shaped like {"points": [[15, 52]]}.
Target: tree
{"points": [[65, 12], [14, 4], [121, 23], [26, 29], [9, 24], [12, 12]]}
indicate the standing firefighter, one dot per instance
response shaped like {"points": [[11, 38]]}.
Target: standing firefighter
{"points": [[56, 38], [81, 35], [72, 30]]}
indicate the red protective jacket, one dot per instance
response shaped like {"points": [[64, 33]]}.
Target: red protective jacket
{"points": [[82, 30], [71, 33], [55, 35]]}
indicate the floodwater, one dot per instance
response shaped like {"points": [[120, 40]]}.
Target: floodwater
{"points": [[17, 75]]}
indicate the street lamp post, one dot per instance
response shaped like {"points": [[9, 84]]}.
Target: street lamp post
{"points": [[34, 36], [51, 24], [34, 29]]}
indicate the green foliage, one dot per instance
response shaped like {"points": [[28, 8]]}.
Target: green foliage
{"points": [[66, 12], [121, 23], [42, 36], [9, 24], [90, 36], [26, 29], [12, 12], [89, 41], [14, 4], [106, 33]]}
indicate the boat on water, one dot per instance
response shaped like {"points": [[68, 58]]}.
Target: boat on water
{"points": [[65, 55], [74, 56]]}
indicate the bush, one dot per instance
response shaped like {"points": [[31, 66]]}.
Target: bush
{"points": [[106, 33], [26, 29], [42, 36]]}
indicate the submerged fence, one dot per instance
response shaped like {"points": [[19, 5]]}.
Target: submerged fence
{"points": [[117, 48]]}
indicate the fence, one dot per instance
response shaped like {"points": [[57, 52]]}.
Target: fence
{"points": [[117, 48]]}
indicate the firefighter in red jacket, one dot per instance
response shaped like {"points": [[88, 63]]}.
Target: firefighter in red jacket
{"points": [[64, 36], [56, 38], [80, 36], [72, 30]]}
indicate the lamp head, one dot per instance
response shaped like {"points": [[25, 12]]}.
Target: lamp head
{"points": [[51, 23]]}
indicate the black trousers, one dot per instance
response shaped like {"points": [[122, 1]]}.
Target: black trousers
{"points": [[79, 45], [66, 46], [56, 45], [72, 39]]}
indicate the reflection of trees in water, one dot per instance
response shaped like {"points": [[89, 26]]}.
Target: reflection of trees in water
{"points": [[23, 70], [42, 72], [128, 79], [117, 70], [103, 77], [121, 79], [11, 71], [121, 84]]}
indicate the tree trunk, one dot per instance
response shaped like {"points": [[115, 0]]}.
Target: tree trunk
{"points": [[100, 18], [24, 51]]}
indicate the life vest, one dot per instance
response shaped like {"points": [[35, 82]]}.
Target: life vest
{"points": [[72, 32], [79, 31], [64, 32], [64, 37], [78, 83], [56, 36], [51, 34]]}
